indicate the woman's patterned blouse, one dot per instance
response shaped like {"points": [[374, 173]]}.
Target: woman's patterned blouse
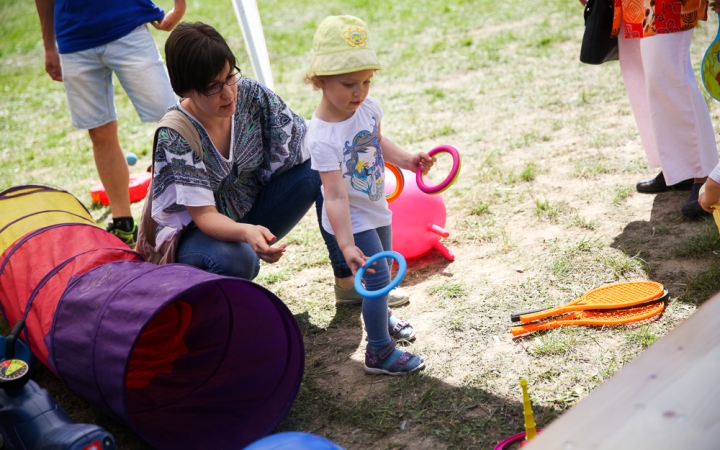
{"points": [[267, 140], [643, 18]]}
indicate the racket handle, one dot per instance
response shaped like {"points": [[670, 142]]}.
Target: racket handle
{"points": [[516, 317], [542, 314], [525, 329]]}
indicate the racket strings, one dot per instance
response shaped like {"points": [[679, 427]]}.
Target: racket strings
{"points": [[621, 315], [624, 293]]}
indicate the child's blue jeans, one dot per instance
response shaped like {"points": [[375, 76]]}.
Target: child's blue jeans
{"points": [[374, 310]]}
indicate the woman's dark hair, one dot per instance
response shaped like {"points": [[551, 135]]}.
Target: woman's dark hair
{"points": [[195, 54]]}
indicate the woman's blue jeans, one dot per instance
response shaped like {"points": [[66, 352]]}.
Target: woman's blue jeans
{"points": [[279, 207]]}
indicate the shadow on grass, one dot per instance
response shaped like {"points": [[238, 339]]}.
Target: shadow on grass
{"points": [[681, 253], [339, 401]]}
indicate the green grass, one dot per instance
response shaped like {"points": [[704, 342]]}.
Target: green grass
{"points": [[545, 209], [622, 193], [555, 342], [643, 336], [698, 244], [541, 213], [447, 290]]}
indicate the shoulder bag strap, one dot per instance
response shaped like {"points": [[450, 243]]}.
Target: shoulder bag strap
{"points": [[179, 122]]}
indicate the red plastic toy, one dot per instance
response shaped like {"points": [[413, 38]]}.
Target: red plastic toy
{"points": [[138, 186], [417, 219]]}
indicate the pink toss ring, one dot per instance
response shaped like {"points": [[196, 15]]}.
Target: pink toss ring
{"points": [[399, 182], [454, 172]]}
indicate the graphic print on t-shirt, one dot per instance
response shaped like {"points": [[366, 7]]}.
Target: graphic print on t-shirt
{"points": [[364, 163]]}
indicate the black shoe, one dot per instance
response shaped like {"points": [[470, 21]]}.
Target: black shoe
{"points": [[692, 208], [657, 184]]}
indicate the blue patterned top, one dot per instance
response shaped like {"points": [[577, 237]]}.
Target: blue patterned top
{"points": [[267, 139]]}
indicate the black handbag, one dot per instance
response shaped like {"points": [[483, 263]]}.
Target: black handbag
{"points": [[597, 45]]}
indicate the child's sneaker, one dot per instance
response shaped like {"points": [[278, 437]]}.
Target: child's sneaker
{"points": [[128, 237], [403, 363]]}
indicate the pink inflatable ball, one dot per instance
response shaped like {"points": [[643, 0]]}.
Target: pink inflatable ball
{"points": [[418, 219]]}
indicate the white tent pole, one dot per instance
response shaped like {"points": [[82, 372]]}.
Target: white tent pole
{"points": [[249, 19]]}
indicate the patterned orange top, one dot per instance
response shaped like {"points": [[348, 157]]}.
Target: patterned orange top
{"points": [[645, 18]]}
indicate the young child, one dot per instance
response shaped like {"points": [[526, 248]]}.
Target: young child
{"points": [[348, 149]]}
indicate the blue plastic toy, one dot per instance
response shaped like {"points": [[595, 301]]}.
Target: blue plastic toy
{"points": [[29, 418], [131, 158], [293, 440], [402, 268]]}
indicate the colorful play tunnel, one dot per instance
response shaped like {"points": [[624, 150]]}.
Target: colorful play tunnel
{"points": [[186, 358]]}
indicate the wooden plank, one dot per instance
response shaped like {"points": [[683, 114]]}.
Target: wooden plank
{"points": [[668, 397]]}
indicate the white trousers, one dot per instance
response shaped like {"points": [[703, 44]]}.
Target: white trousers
{"points": [[671, 114]]}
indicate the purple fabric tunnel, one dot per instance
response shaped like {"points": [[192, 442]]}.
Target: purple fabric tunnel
{"points": [[186, 358]]}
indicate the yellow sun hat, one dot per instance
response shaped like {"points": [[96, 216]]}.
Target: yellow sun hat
{"points": [[342, 45]]}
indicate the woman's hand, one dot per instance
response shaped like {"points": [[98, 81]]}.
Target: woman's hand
{"points": [[223, 228], [583, 2], [715, 6], [259, 238]]}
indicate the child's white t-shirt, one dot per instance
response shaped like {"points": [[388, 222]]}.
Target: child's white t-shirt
{"points": [[352, 147]]}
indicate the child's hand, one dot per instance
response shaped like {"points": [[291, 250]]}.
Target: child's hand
{"points": [[703, 202], [355, 258], [711, 196], [423, 160]]}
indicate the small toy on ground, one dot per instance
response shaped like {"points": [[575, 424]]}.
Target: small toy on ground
{"points": [[452, 176], [402, 268], [131, 158], [613, 304], [293, 440], [138, 187], [530, 430]]}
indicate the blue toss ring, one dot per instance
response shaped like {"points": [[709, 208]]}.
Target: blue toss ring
{"points": [[402, 268]]}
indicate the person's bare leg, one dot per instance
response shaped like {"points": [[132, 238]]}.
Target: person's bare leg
{"points": [[112, 167]]}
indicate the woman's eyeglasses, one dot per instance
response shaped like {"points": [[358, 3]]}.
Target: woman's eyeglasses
{"points": [[216, 88]]}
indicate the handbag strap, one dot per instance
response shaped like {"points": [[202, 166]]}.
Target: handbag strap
{"points": [[175, 120]]}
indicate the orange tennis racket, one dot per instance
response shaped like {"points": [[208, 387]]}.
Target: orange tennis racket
{"points": [[612, 296], [605, 317]]}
